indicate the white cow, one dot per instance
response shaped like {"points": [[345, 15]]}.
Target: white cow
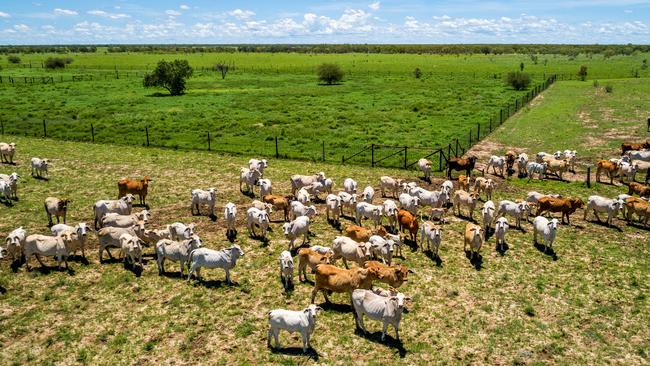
{"points": [[292, 230], [539, 168], [12, 182], [260, 165], [382, 248], [303, 196], [257, 218], [517, 210], [15, 242], [201, 197], [110, 237], [425, 165], [389, 184], [303, 322], [409, 203], [131, 249], [350, 185], [79, 240], [522, 162], [348, 201], [230, 216], [177, 251], [500, 230], [249, 177], [368, 194], [299, 181], [286, 268], [209, 258], [430, 235], [489, 213], [602, 204], [117, 220], [49, 246], [348, 249], [369, 211], [180, 231], [122, 206], [334, 207], [266, 187], [390, 210], [298, 209], [547, 229], [328, 184], [7, 151], [643, 155], [496, 162], [39, 166], [387, 309]]}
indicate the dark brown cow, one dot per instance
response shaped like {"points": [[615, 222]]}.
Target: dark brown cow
{"points": [[566, 206], [466, 164]]}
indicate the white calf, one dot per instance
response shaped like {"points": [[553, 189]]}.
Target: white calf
{"points": [[348, 201], [302, 322], [430, 235], [368, 194], [230, 216], [387, 309], [389, 184], [39, 166], [292, 230], [547, 229], [500, 230], [266, 187], [286, 268], [517, 210], [257, 218], [177, 251], [350, 186], [208, 258], [496, 162], [201, 197], [369, 211], [602, 204], [333, 203], [298, 209]]}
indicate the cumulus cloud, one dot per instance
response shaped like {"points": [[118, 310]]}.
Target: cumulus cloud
{"points": [[22, 28], [4, 15], [103, 14], [375, 6], [184, 7], [173, 13], [68, 12], [241, 14]]}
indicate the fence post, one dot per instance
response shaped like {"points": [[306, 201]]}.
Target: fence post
{"points": [[456, 152], [2, 125], [589, 177], [372, 155], [323, 150], [470, 139], [449, 150], [490, 124], [405, 156], [146, 130], [92, 132], [209, 147], [44, 128], [277, 153], [478, 131], [440, 157], [501, 116]]}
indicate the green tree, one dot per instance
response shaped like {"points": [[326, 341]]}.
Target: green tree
{"points": [[518, 80], [582, 73], [521, 67], [13, 59], [330, 73], [169, 75]]}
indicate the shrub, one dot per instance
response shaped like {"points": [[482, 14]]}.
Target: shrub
{"points": [[169, 75], [518, 80], [521, 67], [582, 73], [609, 88], [57, 62], [417, 73], [330, 73], [596, 84], [13, 59]]}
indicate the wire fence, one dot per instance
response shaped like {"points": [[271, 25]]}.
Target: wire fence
{"points": [[374, 155]]}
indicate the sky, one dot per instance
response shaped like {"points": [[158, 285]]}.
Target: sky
{"points": [[324, 21]]}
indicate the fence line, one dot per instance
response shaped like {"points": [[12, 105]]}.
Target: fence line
{"points": [[373, 155]]}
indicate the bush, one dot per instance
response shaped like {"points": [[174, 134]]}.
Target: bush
{"points": [[330, 73], [417, 73], [596, 84], [518, 80], [582, 73], [57, 62], [169, 75], [13, 59], [609, 88]]}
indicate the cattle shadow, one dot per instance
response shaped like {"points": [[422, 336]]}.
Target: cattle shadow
{"points": [[412, 244], [79, 259], [638, 225], [434, 257], [231, 236], [604, 224], [136, 269], [46, 270], [15, 265], [339, 308], [249, 194], [8, 163], [214, 284], [502, 248], [3, 290], [158, 95], [7, 203], [424, 179], [288, 290], [335, 224], [466, 218], [546, 251], [45, 179], [476, 261], [174, 274], [296, 351], [388, 341], [140, 205]]}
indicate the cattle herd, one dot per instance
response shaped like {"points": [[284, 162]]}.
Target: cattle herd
{"points": [[371, 247]]}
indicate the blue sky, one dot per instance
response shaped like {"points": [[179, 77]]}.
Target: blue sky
{"points": [[408, 21]]}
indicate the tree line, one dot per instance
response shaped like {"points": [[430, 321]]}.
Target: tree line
{"points": [[449, 49]]}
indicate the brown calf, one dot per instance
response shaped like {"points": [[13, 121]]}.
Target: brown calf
{"points": [[408, 221], [393, 276], [566, 206], [134, 186]]}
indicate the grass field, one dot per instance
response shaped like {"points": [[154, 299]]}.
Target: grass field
{"points": [[276, 95], [587, 304]]}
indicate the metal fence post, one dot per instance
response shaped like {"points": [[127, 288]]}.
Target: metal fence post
{"points": [[277, 153], [478, 131], [92, 132], [44, 128], [589, 177], [440, 157], [323, 150], [405, 156], [209, 142], [146, 131], [372, 155]]}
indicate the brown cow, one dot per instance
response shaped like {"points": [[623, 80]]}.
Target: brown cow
{"points": [[627, 146], [279, 203], [638, 188], [361, 234], [408, 221], [511, 156], [464, 182], [133, 186], [393, 276], [466, 164], [566, 206], [310, 258], [609, 168], [639, 207], [335, 279]]}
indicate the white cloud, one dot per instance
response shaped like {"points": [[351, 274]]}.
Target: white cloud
{"points": [[375, 6], [184, 7], [241, 14], [627, 11], [4, 15], [173, 13], [22, 28], [103, 14], [59, 11]]}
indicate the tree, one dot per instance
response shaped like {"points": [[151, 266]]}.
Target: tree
{"points": [[518, 80], [417, 73], [13, 59], [169, 75], [330, 73], [57, 62], [223, 68], [521, 67], [582, 73]]}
